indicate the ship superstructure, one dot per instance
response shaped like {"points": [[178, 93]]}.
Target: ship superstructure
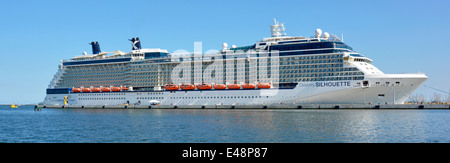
{"points": [[278, 69]]}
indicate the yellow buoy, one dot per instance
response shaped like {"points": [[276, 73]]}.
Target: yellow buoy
{"points": [[65, 100]]}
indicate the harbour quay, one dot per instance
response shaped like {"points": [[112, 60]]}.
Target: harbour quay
{"points": [[275, 107]]}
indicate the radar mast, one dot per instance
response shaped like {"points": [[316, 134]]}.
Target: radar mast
{"points": [[277, 29]]}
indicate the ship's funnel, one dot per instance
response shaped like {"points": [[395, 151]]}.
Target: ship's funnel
{"points": [[95, 47], [135, 43]]}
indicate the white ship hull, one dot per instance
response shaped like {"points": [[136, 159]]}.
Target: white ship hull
{"points": [[400, 87]]}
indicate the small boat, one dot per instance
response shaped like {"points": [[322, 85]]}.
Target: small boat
{"points": [[115, 89], [124, 88], [187, 86], [264, 85], [234, 86], [171, 87], [76, 90], [106, 89], [204, 86], [95, 89], [220, 86], [248, 86], [85, 90], [14, 106]]}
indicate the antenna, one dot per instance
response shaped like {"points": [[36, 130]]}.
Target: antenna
{"points": [[342, 37]]}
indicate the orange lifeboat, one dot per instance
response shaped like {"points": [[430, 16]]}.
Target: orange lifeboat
{"points": [[124, 88], [95, 89], [264, 85], [234, 86], [76, 90], [187, 86], [86, 90], [115, 89], [248, 86], [220, 86], [105, 89], [171, 87], [204, 86]]}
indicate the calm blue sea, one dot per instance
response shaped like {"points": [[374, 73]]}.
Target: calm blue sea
{"points": [[24, 125]]}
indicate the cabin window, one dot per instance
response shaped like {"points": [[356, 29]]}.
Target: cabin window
{"points": [[365, 83]]}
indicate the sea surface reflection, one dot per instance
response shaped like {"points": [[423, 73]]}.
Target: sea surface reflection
{"points": [[223, 126]]}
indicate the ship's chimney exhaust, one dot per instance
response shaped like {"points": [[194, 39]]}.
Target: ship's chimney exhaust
{"points": [[135, 43], [95, 47]]}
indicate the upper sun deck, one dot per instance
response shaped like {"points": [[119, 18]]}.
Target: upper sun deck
{"points": [[286, 45], [117, 56], [279, 41], [102, 55], [279, 37]]}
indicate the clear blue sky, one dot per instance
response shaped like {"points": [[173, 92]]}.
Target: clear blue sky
{"points": [[399, 36]]}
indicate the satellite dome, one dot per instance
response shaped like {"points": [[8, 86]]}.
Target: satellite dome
{"points": [[318, 33], [224, 45], [326, 35]]}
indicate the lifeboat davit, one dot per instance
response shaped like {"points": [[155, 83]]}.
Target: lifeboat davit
{"points": [[124, 88], [204, 86], [187, 86], [106, 89], [234, 86], [85, 89], [220, 86], [95, 89], [171, 87], [264, 85], [115, 89], [248, 86], [76, 90]]}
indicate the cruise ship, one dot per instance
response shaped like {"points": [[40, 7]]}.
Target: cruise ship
{"points": [[280, 69]]}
